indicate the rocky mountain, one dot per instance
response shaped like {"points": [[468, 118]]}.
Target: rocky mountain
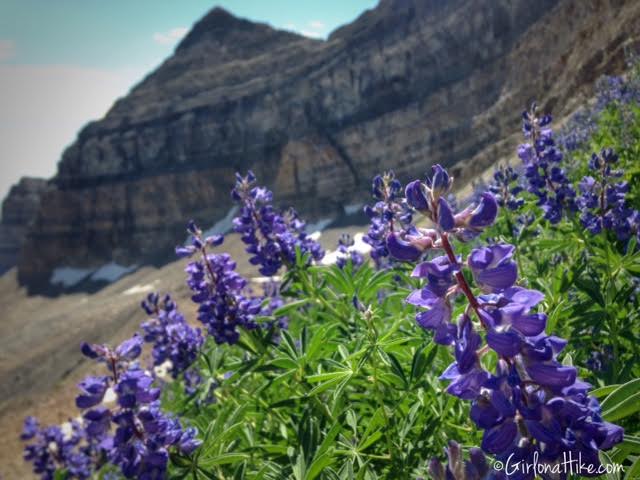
{"points": [[408, 84]]}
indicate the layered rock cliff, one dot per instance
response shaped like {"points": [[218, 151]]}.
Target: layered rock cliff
{"points": [[19, 210], [408, 84]]}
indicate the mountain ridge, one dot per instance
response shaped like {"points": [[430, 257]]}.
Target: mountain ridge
{"points": [[406, 85]]}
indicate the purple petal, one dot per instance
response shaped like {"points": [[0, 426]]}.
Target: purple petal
{"points": [[498, 278], [445, 215], [401, 249], [416, 196], [423, 298], [551, 375], [432, 318], [530, 325], [485, 213], [499, 438], [506, 343], [529, 298]]}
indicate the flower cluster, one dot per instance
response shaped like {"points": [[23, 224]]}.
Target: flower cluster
{"points": [[602, 200], [143, 433], [388, 214], [218, 290], [429, 198], [272, 237], [55, 448], [346, 252], [173, 339], [506, 187], [610, 90], [546, 179], [457, 468], [531, 404]]}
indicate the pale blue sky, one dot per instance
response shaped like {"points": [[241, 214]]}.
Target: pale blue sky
{"points": [[64, 62]]}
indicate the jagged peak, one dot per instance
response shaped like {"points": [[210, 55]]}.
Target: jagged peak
{"points": [[220, 23]]}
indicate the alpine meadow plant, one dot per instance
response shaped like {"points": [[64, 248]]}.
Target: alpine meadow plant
{"points": [[387, 214], [602, 199], [338, 372], [545, 176], [346, 252], [173, 339], [531, 407], [219, 290], [272, 237], [506, 188]]}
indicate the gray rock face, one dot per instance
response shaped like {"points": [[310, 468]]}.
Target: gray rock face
{"points": [[408, 84], [19, 209]]}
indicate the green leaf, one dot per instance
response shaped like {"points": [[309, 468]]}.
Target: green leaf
{"points": [[603, 391], [606, 460], [223, 459], [627, 407], [321, 377], [620, 394], [634, 471], [285, 309], [319, 464]]}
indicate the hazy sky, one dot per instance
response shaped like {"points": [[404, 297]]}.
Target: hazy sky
{"points": [[64, 62]]}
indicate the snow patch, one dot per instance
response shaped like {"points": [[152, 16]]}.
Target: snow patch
{"points": [[111, 272], [138, 289], [222, 226], [320, 225], [315, 236], [359, 246], [275, 278], [353, 208], [69, 276]]}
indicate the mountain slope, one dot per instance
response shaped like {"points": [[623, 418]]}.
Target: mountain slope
{"points": [[408, 84]]}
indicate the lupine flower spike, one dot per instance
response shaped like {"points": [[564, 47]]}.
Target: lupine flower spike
{"points": [[271, 237], [388, 214], [530, 405], [546, 179]]}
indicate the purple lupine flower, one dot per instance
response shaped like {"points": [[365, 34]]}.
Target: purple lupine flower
{"points": [[610, 91], [410, 244], [173, 339], [541, 158], [506, 188], [531, 405], [436, 297], [346, 252], [457, 468], [602, 201], [388, 214], [492, 267], [134, 434], [272, 237], [59, 448], [218, 290]]}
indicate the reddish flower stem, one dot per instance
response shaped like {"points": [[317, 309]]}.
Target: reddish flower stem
{"points": [[462, 282]]}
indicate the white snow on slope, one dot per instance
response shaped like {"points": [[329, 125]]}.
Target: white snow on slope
{"points": [[111, 272], [320, 225], [68, 276], [359, 245]]}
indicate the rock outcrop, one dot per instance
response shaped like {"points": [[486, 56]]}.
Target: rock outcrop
{"points": [[408, 84], [19, 209]]}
